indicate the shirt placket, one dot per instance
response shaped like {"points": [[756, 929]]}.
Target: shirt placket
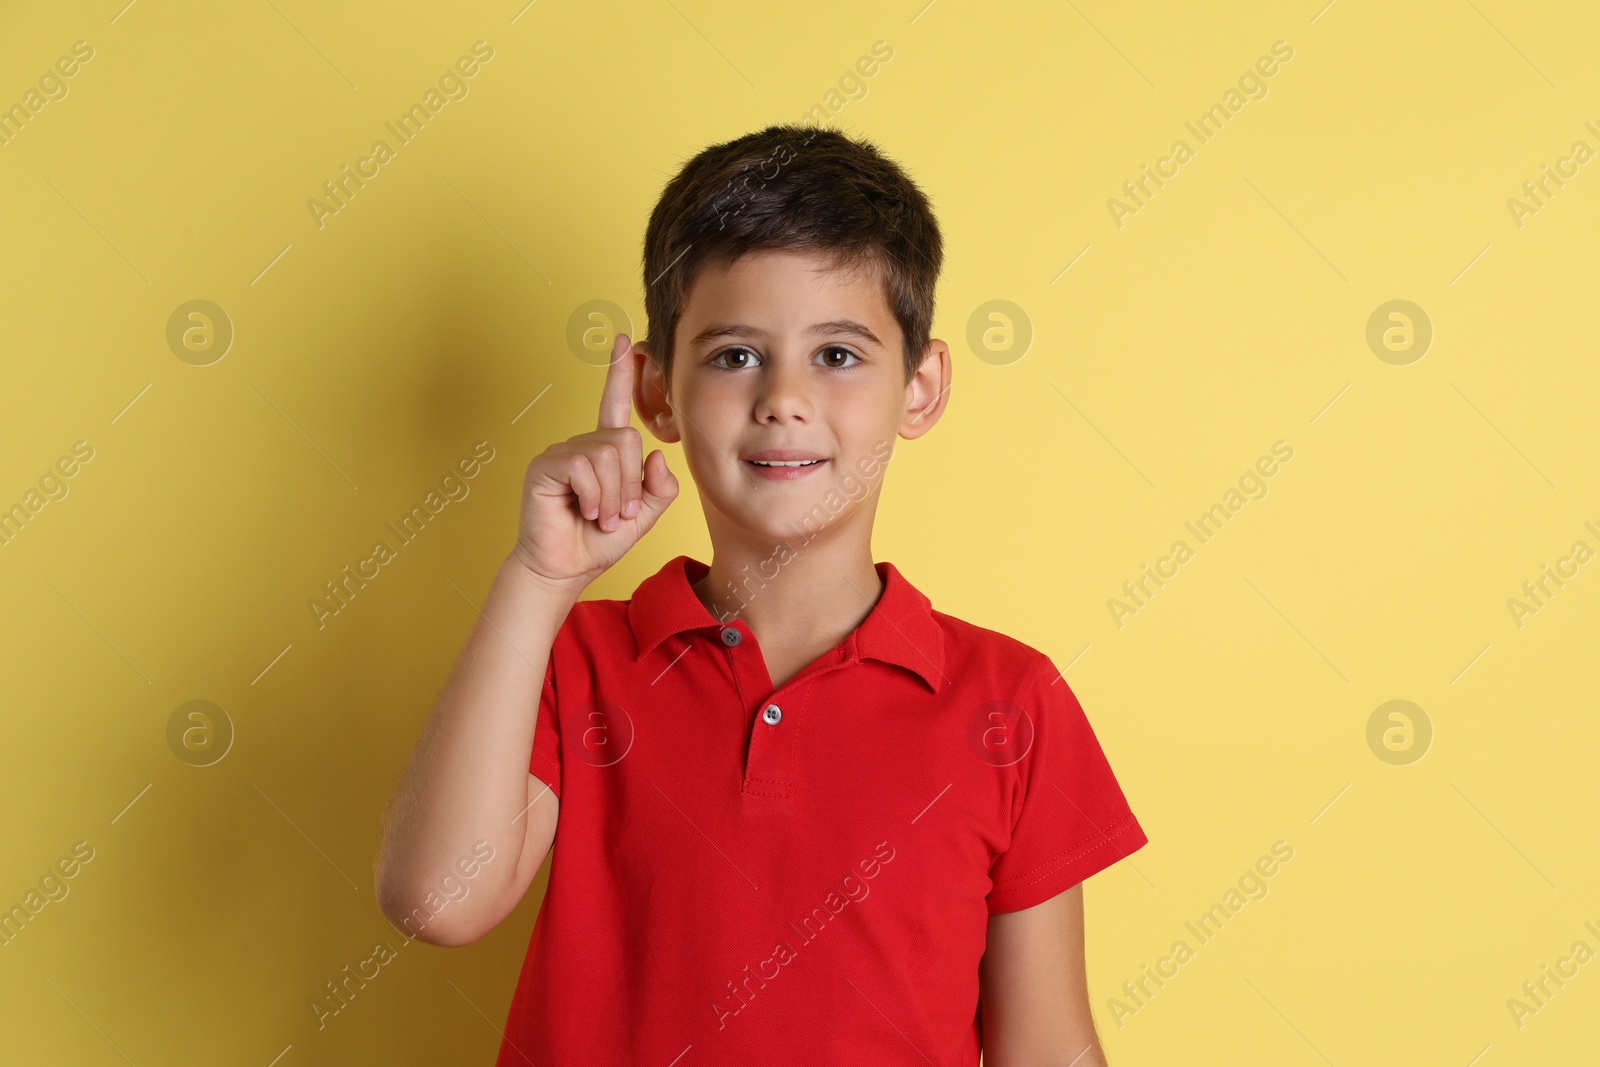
{"points": [[772, 719]]}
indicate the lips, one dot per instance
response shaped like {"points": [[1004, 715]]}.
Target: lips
{"points": [[782, 455], [782, 464]]}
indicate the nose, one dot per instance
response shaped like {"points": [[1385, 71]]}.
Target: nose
{"points": [[784, 392]]}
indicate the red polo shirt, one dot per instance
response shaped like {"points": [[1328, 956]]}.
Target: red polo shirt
{"points": [[800, 875]]}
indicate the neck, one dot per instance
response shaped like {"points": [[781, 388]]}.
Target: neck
{"points": [[821, 589]]}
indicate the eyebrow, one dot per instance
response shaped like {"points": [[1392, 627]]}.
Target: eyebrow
{"points": [[849, 327]]}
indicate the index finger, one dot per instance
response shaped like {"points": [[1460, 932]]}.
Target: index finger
{"points": [[616, 398]]}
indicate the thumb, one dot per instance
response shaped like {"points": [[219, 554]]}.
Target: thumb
{"points": [[660, 487]]}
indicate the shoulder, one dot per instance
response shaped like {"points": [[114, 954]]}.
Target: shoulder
{"points": [[970, 647], [594, 629], [593, 617]]}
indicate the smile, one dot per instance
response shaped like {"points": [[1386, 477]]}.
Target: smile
{"points": [[783, 470]]}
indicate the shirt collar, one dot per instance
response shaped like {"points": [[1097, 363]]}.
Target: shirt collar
{"points": [[900, 628]]}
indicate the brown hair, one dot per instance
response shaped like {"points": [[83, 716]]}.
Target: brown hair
{"points": [[793, 186]]}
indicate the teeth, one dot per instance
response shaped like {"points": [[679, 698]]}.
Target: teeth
{"points": [[785, 463]]}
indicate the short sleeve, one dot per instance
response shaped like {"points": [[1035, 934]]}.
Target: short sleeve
{"points": [[545, 763], [1073, 819]]}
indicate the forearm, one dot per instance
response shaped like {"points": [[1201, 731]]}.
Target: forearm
{"points": [[467, 776]]}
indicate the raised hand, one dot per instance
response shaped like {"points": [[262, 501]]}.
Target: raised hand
{"points": [[588, 499]]}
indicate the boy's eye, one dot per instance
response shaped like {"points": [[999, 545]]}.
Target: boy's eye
{"points": [[745, 352], [840, 350]]}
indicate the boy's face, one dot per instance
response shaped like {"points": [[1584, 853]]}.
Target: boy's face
{"points": [[776, 351]]}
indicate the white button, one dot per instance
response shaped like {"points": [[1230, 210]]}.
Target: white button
{"points": [[731, 636], [772, 715]]}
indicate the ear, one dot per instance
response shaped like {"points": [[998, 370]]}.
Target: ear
{"points": [[650, 395], [927, 392]]}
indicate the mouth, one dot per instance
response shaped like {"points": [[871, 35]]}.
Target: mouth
{"points": [[781, 466]]}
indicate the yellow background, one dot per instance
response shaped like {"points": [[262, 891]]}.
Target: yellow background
{"points": [[1228, 314]]}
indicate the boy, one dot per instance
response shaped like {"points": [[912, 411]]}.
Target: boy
{"points": [[799, 816]]}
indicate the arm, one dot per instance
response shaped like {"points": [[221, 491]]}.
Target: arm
{"points": [[585, 502], [467, 779], [1034, 989]]}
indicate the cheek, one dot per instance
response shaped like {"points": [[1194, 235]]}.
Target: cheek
{"points": [[858, 418], [711, 423], [713, 410]]}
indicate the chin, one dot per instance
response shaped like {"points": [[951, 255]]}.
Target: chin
{"points": [[791, 523], [777, 524]]}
